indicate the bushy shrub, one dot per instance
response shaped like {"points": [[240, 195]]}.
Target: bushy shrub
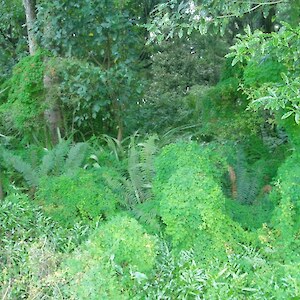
{"points": [[22, 107], [82, 195], [126, 240], [92, 281], [82, 92], [175, 68], [285, 219], [192, 205], [116, 253], [230, 71], [189, 155], [292, 130]]}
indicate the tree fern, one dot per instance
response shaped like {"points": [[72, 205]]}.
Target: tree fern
{"points": [[47, 164], [129, 193], [148, 214], [135, 183], [60, 151]]}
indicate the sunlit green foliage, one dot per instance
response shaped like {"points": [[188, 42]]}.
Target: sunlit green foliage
{"points": [[162, 182], [283, 47], [116, 253], [191, 203], [286, 198], [79, 196], [258, 73], [248, 275], [31, 247], [181, 18], [22, 102]]}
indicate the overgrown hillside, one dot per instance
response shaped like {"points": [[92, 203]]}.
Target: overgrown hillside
{"points": [[149, 150]]}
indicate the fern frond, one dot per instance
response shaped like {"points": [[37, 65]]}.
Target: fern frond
{"points": [[30, 175], [136, 184], [175, 133], [54, 160], [76, 156], [128, 193], [114, 182], [47, 164], [147, 213], [147, 153], [61, 150]]}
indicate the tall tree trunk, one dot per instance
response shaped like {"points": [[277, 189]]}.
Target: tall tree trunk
{"points": [[29, 6], [117, 110], [52, 114], [232, 177], [1, 191]]}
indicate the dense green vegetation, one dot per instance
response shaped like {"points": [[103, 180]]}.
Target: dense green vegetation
{"points": [[149, 149]]}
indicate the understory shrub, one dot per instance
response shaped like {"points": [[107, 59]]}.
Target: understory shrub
{"points": [[250, 216], [118, 253], [126, 240], [21, 106], [191, 202], [81, 195], [255, 167], [174, 69], [258, 73], [285, 220]]}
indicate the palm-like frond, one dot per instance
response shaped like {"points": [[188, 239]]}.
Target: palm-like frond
{"points": [[147, 153], [54, 159], [28, 173], [76, 156], [137, 186]]}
